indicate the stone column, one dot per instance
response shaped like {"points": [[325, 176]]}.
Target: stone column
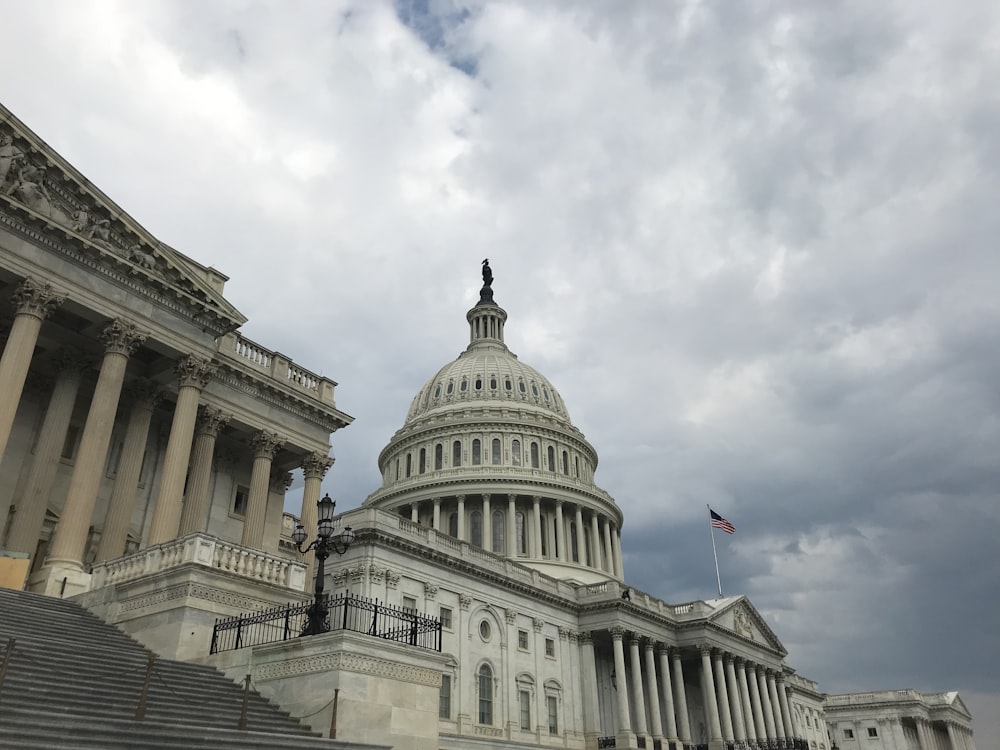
{"points": [[609, 553], [765, 703], [595, 543], [722, 693], [588, 684], [772, 692], [637, 692], [536, 507], [29, 516], [265, 445], [461, 517], [70, 539], [511, 527], [715, 730], [437, 514], [560, 533], [33, 303], [487, 524], [755, 715], [194, 517], [786, 714], [735, 704], [624, 722], [414, 512], [668, 693], [314, 468], [680, 692], [114, 535], [193, 375], [616, 540], [655, 724], [581, 542]]}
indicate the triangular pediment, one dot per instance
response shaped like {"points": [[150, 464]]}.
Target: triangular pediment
{"points": [[43, 196], [959, 705], [742, 618]]}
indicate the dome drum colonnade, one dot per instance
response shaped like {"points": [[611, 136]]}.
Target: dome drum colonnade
{"points": [[488, 416]]}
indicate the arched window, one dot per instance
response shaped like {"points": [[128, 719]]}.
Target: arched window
{"points": [[522, 539], [485, 695], [498, 532], [409, 464], [534, 455], [493, 382], [423, 460], [479, 383], [515, 452], [464, 386], [574, 546], [565, 463], [576, 466], [477, 452], [453, 525], [397, 469], [438, 457], [476, 525], [551, 455], [495, 451], [456, 453], [450, 389]]}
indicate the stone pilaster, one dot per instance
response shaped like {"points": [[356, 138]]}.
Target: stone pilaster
{"points": [[624, 721], [722, 694], [265, 445], [715, 730], [114, 535], [680, 693], [70, 538], [314, 468], [655, 723], [193, 375], [33, 303], [29, 514], [194, 516]]}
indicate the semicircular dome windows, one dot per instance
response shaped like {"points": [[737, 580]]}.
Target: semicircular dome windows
{"points": [[508, 386], [479, 384], [450, 389], [464, 386]]}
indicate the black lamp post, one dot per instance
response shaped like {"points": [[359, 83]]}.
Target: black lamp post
{"points": [[324, 542]]}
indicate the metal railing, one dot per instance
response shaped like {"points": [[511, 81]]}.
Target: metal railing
{"points": [[345, 612]]}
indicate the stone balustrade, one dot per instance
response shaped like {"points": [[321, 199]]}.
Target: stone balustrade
{"points": [[276, 366], [882, 696], [206, 551]]}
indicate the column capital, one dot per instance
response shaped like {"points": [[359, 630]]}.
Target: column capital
{"points": [[511, 498], [586, 636], [662, 648], [486, 497], [145, 393], [437, 501], [194, 371], [634, 638], [37, 299], [460, 498], [728, 658], [705, 648], [211, 421], [510, 615], [740, 662], [315, 465], [537, 623], [559, 503], [280, 481], [617, 633], [121, 337], [266, 444], [536, 499]]}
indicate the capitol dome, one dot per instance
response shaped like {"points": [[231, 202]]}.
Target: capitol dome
{"points": [[488, 455]]}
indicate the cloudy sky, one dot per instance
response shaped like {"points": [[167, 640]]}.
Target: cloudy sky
{"points": [[752, 243]]}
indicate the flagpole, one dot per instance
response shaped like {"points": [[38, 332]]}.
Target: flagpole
{"points": [[715, 554]]}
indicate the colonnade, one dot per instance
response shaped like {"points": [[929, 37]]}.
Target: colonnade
{"points": [[182, 502], [534, 527], [743, 701]]}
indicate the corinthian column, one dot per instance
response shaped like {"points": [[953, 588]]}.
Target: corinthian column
{"points": [[616, 540], [684, 723], [560, 533], [786, 714], [609, 553], [758, 712], [581, 548], [314, 468], [655, 724], [194, 516], [114, 535], [536, 504], [595, 543], [265, 446], [624, 722], [640, 699], [193, 374], [765, 703], [30, 513], [668, 693], [735, 705], [715, 731], [511, 527], [70, 539], [723, 695], [588, 678], [487, 524], [33, 302], [461, 518]]}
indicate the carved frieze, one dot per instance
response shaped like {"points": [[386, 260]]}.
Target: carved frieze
{"points": [[430, 591], [391, 578], [464, 601], [511, 615]]}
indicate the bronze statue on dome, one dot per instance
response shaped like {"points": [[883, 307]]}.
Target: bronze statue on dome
{"points": [[486, 293]]}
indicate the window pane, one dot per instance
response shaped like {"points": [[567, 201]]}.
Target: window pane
{"points": [[521, 538], [476, 522], [498, 532], [525, 700], [551, 455], [456, 454], [423, 460], [438, 456], [453, 524], [515, 453], [496, 451], [553, 714], [444, 704], [477, 456], [534, 455], [485, 695]]}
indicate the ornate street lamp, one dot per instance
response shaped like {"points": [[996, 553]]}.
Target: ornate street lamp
{"points": [[324, 542]]}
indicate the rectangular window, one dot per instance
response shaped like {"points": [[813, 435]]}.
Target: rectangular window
{"points": [[445, 615], [524, 699], [848, 734], [872, 732], [553, 706], [444, 704], [550, 647], [522, 640], [410, 603], [240, 501]]}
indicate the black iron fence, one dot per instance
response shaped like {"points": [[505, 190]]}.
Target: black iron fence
{"points": [[345, 612]]}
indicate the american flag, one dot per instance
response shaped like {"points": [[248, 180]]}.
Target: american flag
{"points": [[718, 522]]}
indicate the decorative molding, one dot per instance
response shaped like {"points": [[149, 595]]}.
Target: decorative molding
{"points": [[266, 444], [511, 615], [348, 662], [464, 601], [122, 337], [430, 590], [211, 421], [315, 465], [391, 578], [37, 299], [376, 573], [537, 623]]}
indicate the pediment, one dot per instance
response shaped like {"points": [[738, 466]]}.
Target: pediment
{"points": [[44, 197], [743, 619], [958, 704]]}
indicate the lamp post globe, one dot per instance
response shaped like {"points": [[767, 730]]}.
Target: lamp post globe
{"points": [[324, 542]]}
